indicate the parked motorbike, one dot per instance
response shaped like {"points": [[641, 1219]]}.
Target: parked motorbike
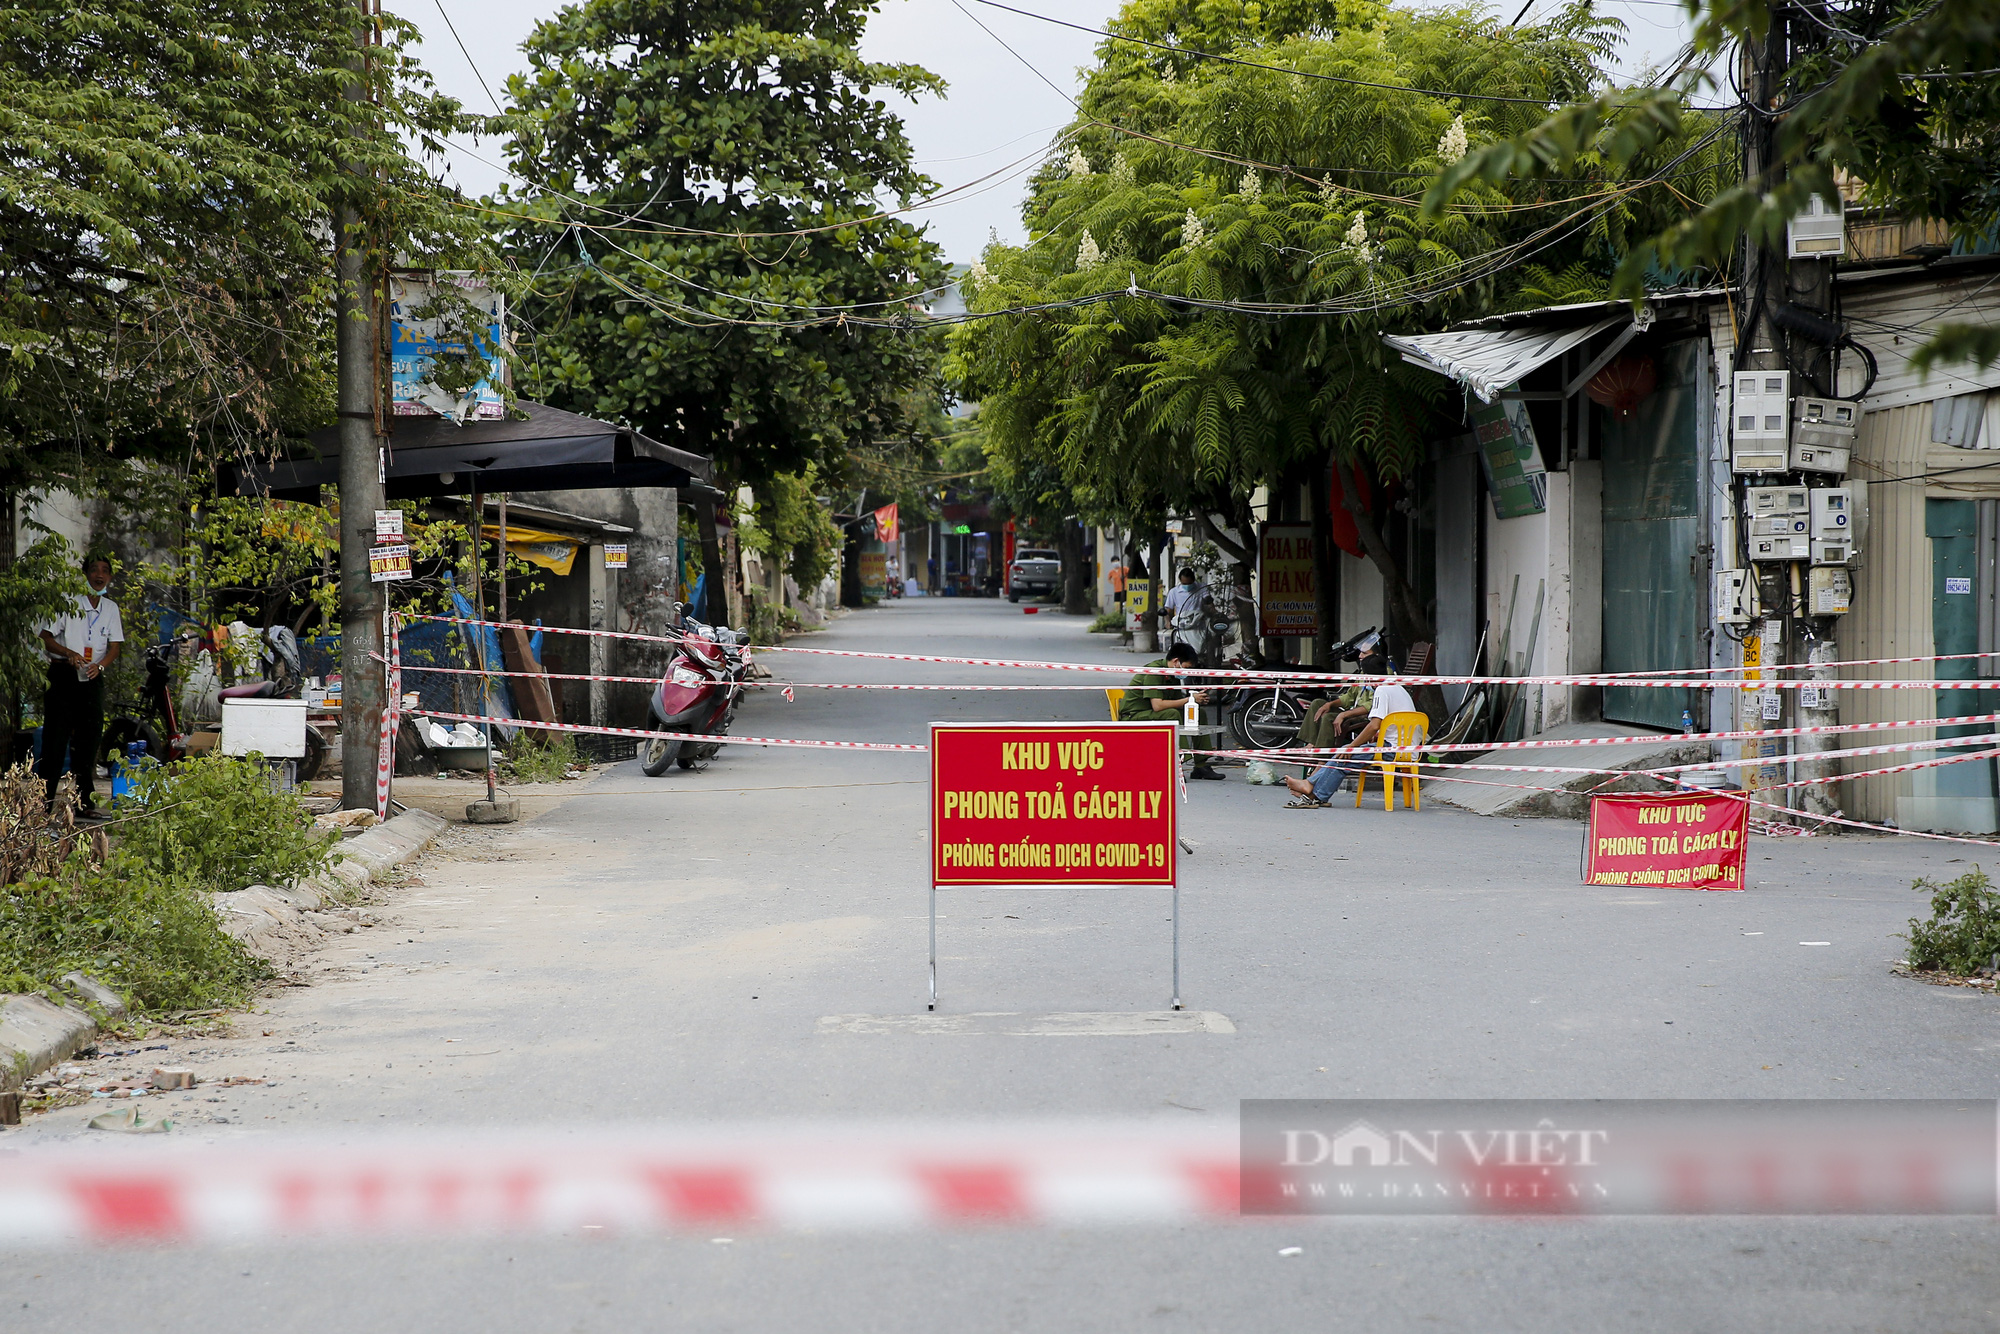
{"points": [[1271, 719], [700, 693]]}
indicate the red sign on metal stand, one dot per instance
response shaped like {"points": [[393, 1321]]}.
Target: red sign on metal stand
{"points": [[1053, 806]]}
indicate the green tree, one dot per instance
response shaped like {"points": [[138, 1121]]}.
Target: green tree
{"points": [[168, 169], [1266, 214], [702, 196], [1900, 96]]}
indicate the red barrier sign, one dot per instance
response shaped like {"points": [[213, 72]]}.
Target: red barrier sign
{"points": [[1682, 840], [1053, 803]]}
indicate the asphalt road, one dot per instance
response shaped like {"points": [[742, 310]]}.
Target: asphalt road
{"points": [[661, 950]]}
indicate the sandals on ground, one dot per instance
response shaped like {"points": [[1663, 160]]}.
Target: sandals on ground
{"points": [[1305, 804]]}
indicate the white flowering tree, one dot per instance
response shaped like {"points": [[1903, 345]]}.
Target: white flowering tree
{"points": [[1282, 211]]}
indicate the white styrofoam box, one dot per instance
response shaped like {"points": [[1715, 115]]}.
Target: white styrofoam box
{"points": [[1761, 413], [1829, 591], [1818, 233], [1735, 597], [1781, 548], [1777, 500], [1832, 513], [1818, 458], [1779, 525], [273, 728]]}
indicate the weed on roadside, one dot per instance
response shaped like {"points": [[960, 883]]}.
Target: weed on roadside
{"points": [[533, 760], [1110, 623], [1962, 936]]}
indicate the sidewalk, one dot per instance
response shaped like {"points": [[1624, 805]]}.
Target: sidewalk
{"points": [[1562, 796]]}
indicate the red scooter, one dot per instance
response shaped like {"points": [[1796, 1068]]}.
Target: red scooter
{"points": [[700, 693]]}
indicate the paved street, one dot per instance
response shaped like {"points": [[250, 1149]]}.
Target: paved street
{"points": [[662, 950]]}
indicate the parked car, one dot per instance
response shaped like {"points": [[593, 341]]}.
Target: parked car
{"points": [[1035, 571]]}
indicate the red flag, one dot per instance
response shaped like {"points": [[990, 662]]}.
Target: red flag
{"points": [[885, 523]]}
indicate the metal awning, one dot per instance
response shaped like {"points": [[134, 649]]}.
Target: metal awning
{"points": [[551, 450], [1487, 361]]}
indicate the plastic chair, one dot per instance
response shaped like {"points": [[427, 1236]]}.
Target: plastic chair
{"points": [[1116, 697], [1396, 755]]}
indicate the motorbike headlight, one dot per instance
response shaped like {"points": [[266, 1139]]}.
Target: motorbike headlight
{"points": [[686, 676]]}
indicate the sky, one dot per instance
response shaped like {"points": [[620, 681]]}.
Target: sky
{"points": [[997, 116]]}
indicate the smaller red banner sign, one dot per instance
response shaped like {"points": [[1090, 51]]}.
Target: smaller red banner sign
{"points": [[1053, 803], [1680, 840]]}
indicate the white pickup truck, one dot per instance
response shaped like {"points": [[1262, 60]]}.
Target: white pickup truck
{"points": [[1035, 571]]}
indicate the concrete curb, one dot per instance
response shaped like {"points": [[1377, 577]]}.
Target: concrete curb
{"points": [[36, 1033]]}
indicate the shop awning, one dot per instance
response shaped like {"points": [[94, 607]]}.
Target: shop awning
{"points": [[551, 450], [1487, 361]]}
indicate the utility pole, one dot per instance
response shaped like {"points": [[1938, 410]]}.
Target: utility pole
{"points": [[361, 471], [1786, 299]]}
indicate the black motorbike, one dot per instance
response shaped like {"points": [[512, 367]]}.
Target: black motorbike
{"points": [[1269, 717]]}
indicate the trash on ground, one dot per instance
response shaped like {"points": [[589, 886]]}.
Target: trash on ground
{"points": [[127, 1121], [173, 1077]]}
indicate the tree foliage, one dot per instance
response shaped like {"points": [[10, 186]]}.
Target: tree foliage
{"points": [[168, 171], [1898, 95], [703, 184], [1276, 215]]}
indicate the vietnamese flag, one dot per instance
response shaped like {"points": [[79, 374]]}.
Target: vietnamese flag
{"points": [[885, 523]]}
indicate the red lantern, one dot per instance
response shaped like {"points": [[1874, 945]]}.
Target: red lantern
{"points": [[1624, 384]]}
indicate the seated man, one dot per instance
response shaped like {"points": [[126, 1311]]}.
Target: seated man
{"points": [[1390, 697], [1153, 696]]}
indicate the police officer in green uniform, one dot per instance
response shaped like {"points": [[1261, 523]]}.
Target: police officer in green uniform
{"points": [[1152, 696]]}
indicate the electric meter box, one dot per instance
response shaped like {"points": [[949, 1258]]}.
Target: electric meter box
{"points": [[1823, 433], [1780, 525], [1818, 233], [1763, 500], [1818, 458], [1828, 551], [1736, 597], [1798, 547], [1759, 422], [1832, 513], [1829, 591]]}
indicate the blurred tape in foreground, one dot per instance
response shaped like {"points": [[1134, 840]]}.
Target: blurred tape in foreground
{"points": [[1286, 1158]]}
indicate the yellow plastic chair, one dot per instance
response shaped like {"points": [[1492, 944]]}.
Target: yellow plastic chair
{"points": [[1116, 697], [1396, 755]]}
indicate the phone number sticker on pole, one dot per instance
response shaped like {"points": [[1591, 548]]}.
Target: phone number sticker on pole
{"points": [[1054, 806]]}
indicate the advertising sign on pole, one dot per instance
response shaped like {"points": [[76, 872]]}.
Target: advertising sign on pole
{"points": [[614, 555], [1679, 840], [388, 561], [388, 525], [1138, 596], [1053, 805], [1287, 608], [1511, 458]]}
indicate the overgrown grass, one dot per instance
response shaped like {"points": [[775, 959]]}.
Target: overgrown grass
{"points": [[1110, 623], [532, 759], [1962, 936], [134, 912]]}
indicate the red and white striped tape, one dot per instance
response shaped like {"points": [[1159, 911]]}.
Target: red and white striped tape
{"points": [[700, 1182], [1341, 678], [643, 733], [385, 760]]}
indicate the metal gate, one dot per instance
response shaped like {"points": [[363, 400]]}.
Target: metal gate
{"points": [[1653, 574]]}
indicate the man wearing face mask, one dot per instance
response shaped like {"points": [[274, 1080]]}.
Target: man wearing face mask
{"points": [[80, 646]]}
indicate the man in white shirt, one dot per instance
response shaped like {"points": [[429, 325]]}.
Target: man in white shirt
{"points": [[1183, 593], [1390, 697], [80, 646]]}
